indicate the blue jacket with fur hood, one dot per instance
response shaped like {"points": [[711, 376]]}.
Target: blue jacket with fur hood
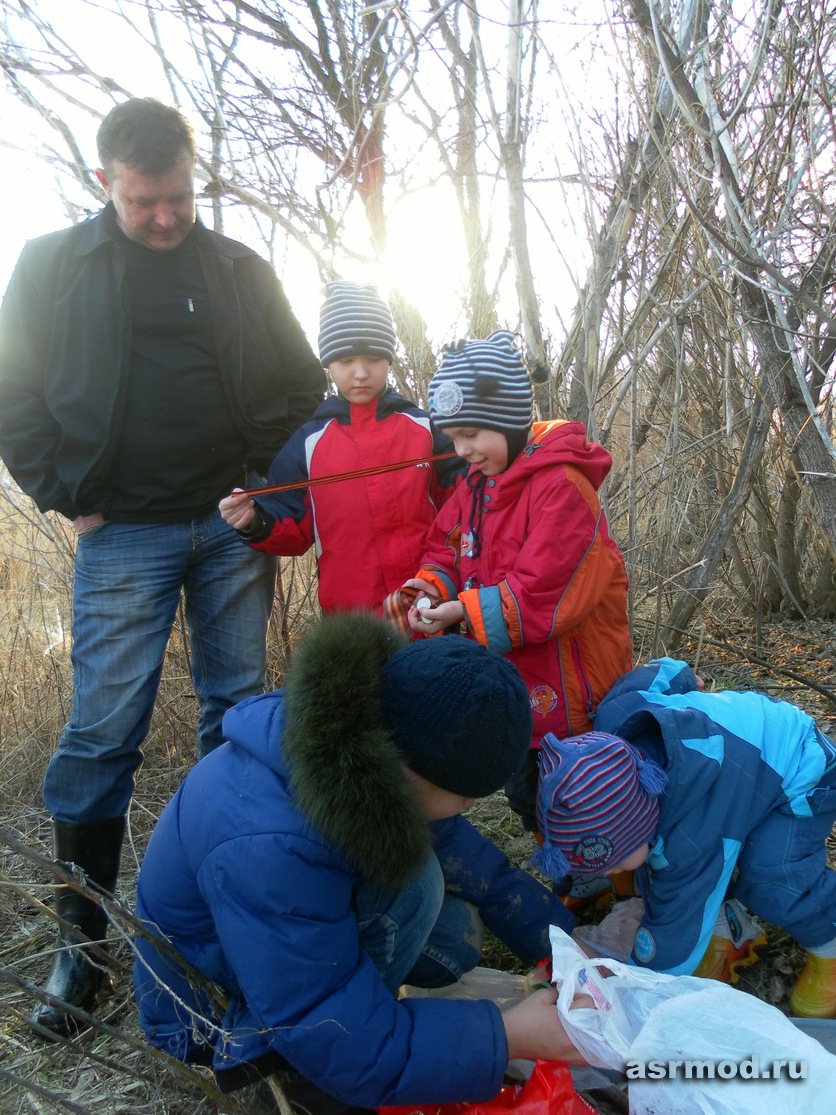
{"points": [[249, 873]]}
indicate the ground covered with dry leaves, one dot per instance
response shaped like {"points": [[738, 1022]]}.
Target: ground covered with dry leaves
{"points": [[108, 1069]]}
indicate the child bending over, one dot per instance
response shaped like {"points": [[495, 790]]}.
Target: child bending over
{"points": [[689, 786]]}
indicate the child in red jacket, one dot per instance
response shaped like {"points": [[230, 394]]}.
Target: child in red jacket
{"points": [[369, 531], [522, 553]]}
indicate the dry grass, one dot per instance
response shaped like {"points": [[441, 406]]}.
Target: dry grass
{"points": [[109, 1069]]}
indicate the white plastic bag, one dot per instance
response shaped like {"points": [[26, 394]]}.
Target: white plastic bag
{"points": [[744, 1041], [622, 998], [690, 1046], [614, 936]]}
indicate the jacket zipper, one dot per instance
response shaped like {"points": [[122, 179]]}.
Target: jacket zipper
{"points": [[576, 655]]}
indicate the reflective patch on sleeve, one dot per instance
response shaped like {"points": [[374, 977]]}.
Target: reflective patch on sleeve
{"points": [[644, 947]]}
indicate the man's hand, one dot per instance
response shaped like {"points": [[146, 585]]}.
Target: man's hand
{"points": [[237, 509], [535, 1032], [84, 523]]}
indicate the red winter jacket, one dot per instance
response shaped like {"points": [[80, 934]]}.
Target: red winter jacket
{"points": [[547, 587], [369, 532]]}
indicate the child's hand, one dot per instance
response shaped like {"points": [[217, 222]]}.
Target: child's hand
{"points": [[428, 620], [412, 592], [237, 509], [427, 615], [420, 588]]}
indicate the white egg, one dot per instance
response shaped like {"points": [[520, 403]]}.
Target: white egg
{"points": [[424, 602]]}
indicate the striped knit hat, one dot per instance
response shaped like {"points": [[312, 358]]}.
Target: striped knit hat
{"points": [[483, 384], [354, 321], [597, 803]]}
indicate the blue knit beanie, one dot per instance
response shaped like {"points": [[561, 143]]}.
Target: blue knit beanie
{"points": [[483, 384], [354, 321], [597, 802], [459, 714]]}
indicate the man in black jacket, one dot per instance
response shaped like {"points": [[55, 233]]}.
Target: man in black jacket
{"points": [[147, 366]]}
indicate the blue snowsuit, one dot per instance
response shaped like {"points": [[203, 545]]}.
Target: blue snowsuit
{"points": [[752, 785]]}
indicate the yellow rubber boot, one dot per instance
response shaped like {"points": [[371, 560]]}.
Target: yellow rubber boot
{"points": [[814, 994], [723, 958], [738, 944]]}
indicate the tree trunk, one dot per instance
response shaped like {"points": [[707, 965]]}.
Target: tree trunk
{"points": [[718, 534]]}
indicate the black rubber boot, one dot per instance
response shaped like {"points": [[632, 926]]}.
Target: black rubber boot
{"points": [[77, 977]]}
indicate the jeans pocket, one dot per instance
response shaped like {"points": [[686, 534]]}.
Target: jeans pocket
{"points": [[90, 531]]}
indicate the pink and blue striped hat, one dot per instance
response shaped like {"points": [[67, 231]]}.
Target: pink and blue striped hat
{"points": [[597, 802]]}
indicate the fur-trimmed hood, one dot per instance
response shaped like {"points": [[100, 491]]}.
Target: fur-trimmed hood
{"points": [[361, 704], [250, 874], [326, 735]]}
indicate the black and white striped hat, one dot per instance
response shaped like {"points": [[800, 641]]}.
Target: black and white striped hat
{"points": [[354, 321], [482, 384]]}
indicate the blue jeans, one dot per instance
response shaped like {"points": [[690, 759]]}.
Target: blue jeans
{"points": [[418, 934], [126, 590]]}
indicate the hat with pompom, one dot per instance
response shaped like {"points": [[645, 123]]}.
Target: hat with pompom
{"points": [[597, 802]]}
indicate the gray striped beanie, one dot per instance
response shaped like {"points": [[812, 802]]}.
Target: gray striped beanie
{"points": [[482, 384], [354, 321]]}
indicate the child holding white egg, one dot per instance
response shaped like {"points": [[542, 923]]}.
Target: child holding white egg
{"points": [[522, 553]]}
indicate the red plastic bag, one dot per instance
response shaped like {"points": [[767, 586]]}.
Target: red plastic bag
{"points": [[548, 1091]]}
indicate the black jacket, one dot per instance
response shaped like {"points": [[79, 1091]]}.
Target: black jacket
{"points": [[64, 358]]}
